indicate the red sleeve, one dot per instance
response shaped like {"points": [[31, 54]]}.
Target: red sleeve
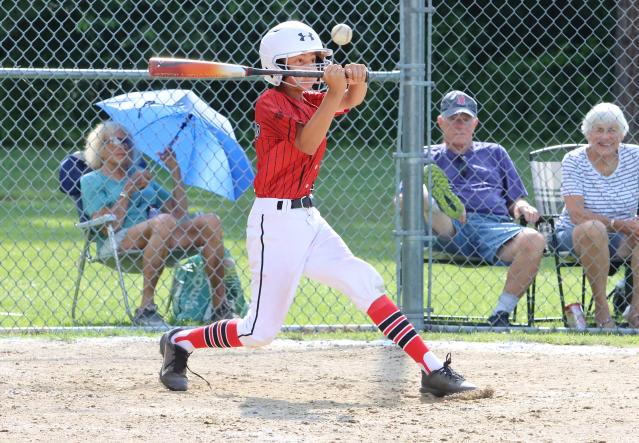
{"points": [[273, 116], [315, 98]]}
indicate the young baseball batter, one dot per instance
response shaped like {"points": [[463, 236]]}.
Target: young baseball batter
{"points": [[287, 238]]}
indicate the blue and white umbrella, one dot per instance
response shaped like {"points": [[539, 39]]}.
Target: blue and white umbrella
{"points": [[202, 139]]}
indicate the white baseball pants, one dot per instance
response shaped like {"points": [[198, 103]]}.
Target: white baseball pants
{"points": [[286, 244]]}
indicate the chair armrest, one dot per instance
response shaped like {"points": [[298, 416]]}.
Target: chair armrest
{"points": [[100, 221]]}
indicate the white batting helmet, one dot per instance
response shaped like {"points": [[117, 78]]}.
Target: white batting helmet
{"points": [[287, 40]]}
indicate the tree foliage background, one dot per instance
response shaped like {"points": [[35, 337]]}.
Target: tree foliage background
{"points": [[535, 66], [122, 34]]}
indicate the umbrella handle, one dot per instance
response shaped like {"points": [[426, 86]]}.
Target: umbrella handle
{"points": [[153, 167], [182, 126]]}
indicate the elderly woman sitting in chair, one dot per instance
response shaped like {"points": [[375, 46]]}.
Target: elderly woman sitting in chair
{"points": [[118, 187], [600, 187]]}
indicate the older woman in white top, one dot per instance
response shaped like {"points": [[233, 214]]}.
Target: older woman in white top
{"points": [[600, 187]]}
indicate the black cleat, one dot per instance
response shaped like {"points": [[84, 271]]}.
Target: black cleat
{"points": [[499, 319], [444, 381], [173, 371]]}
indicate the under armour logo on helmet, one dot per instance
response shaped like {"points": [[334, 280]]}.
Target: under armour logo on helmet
{"points": [[303, 36]]}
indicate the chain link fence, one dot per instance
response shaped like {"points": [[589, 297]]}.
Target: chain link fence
{"points": [[535, 68], [46, 118]]}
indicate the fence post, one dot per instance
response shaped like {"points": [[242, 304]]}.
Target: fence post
{"points": [[412, 82]]}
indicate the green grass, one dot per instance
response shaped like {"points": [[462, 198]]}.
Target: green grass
{"points": [[484, 337], [474, 291], [552, 338], [39, 247]]}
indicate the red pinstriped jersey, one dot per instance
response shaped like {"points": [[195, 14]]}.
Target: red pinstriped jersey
{"points": [[283, 171]]}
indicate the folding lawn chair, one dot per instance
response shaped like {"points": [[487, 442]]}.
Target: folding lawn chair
{"points": [[545, 167], [72, 168]]}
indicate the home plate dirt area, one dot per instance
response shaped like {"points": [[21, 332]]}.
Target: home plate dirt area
{"points": [[107, 389]]}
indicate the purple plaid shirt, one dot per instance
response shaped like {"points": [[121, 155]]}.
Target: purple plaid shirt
{"points": [[484, 178]]}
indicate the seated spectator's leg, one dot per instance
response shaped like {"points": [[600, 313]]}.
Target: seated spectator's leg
{"points": [[591, 241], [152, 238], [498, 239], [524, 253], [205, 232], [442, 224]]}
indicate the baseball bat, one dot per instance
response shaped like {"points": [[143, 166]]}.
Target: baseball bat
{"points": [[187, 68]]}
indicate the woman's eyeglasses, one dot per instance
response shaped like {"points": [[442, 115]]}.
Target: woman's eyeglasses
{"points": [[125, 141]]}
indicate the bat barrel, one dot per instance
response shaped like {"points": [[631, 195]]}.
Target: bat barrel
{"points": [[184, 68]]}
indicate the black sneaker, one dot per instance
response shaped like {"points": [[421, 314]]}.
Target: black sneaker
{"points": [[149, 316], [444, 381], [173, 371], [499, 319]]}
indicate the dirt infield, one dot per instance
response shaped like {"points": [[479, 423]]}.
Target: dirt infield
{"points": [[107, 390]]}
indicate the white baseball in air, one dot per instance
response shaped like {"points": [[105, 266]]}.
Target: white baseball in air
{"points": [[342, 34]]}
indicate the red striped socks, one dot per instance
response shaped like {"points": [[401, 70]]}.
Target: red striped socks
{"points": [[384, 313], [221, 334], [394, 325]]}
